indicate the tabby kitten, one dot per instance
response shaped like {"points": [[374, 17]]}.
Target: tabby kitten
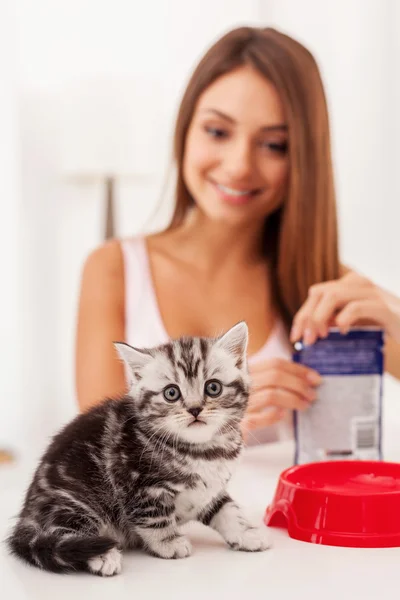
{"points": [[130, 471]]}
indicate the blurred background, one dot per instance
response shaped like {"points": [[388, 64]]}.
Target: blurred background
{"points": [[90, 88]]}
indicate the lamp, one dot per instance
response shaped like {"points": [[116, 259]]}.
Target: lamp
{"points": [[108, 129]]}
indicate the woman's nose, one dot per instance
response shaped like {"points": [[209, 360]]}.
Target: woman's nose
{"points": [[239, 162]]}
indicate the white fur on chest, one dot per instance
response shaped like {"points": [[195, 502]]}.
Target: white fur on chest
{"points": [[214, 477]]}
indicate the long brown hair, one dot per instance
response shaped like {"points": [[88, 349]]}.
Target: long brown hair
{"points": [[301, 236]]}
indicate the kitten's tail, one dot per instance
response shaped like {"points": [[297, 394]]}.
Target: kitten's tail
{"points": [[57, 553]]}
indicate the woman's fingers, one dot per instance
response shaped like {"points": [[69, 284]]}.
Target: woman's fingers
{"points": [[323, 303], [278, 386], [323, 316], [262, 419], [292, 393], [279, 366], [279, 398], [361, 310], [282, 385], [300, 327], [282, 382]]}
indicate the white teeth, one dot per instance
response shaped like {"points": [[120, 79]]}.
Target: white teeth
{"points": [[233, 192]]}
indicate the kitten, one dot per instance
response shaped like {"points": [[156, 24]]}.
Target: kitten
{"points": [[130, 471]]}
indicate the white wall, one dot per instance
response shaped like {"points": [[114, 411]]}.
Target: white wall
{"points": [[10, 238], [57, 43]]}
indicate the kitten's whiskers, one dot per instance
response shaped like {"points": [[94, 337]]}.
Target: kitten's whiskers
{"points": [[149, 440]]}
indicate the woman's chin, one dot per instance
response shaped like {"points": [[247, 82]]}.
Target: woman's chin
{"points": [[230, 217]]}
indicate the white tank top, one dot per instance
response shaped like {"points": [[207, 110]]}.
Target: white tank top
{"points": [[144, 326]]}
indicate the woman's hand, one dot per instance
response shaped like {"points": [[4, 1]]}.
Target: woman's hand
{"points": [[278, 385], [350, 300]]}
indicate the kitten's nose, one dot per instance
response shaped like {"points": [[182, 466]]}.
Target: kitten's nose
{"points": [[195, 411]]}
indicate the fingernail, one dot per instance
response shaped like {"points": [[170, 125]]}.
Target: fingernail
{"points": [[310, 394], [308, 336], [295, 333], [314, 378]]}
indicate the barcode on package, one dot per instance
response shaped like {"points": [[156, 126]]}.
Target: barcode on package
{"points": [[365, 434]]}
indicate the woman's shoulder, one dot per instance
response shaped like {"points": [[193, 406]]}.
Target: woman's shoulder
{"points": [[109, 258], [115, 257], [105, 261]]}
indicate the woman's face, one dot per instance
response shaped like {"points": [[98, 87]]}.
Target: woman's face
{"points": [[236, 161]]}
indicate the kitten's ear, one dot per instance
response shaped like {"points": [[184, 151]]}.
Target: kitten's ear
{"points": [[235, 340], [133, 357]]}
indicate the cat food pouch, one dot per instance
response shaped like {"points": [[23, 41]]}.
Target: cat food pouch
{"points": [[345, 421]]}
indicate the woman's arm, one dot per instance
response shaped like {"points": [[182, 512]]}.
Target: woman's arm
{"points": [[98, 371]]}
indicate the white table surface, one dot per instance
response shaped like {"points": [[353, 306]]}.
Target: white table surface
{"points": [[291, 569]]}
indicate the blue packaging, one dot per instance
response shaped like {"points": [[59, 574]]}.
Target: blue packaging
{"points": [[345, 421]]}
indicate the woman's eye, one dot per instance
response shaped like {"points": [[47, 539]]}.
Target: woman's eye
{"points": [[213, 388], [172, 393], [216, 132], [279, 148]]}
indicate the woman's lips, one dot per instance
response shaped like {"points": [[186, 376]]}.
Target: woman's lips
{"points": [[235, 196]]}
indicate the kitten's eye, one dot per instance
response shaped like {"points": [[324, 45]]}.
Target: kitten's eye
{"points": [[172, 393], [213, 388]]}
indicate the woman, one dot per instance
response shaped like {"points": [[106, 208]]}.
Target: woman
{"points": [[253, 235]]}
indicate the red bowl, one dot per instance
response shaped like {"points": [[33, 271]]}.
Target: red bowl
{"points": [[339, 503]]}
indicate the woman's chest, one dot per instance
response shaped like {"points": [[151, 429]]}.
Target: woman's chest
{"points": [[191, 305]]}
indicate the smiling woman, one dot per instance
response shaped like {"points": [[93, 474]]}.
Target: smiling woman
{"points": [[252, 232], [240, 154]]}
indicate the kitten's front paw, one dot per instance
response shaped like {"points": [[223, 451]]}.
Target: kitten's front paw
{"points": [[178, 547], [106, 564], [253, 539]]}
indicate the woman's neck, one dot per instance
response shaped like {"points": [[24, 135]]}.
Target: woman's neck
{"points": [[213, 246]]}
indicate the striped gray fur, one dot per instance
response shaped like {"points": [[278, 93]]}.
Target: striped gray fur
{"points": [[130, 471]]}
